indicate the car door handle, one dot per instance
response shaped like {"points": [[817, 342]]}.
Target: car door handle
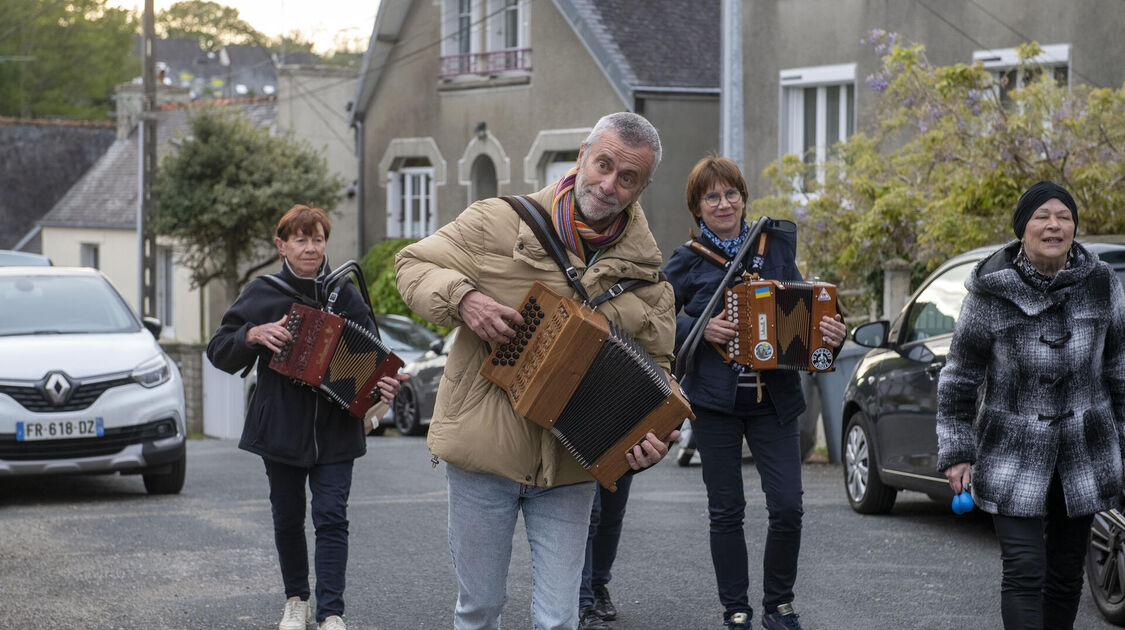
{"points": [[933, 369]]}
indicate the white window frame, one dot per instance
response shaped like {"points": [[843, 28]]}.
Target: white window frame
{"points": [[792, 84], [402, 190], [451, 27], [499, 12], [89, 255], [999, 60], [165, 290]]}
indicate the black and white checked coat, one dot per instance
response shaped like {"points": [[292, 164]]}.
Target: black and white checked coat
{"points": [[1049, 368]]}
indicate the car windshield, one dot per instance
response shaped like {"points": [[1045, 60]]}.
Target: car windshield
{"points": [[34, 304], [404, 334]]}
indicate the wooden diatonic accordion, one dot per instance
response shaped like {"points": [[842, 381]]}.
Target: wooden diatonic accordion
{"points": [[574, 372], [337, 356], [779, 325]]}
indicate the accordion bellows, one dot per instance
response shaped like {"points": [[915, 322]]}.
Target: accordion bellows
{"points": [[779, 325], [337, 356], [572, 371]]}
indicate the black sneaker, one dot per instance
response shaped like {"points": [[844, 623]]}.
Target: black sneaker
{"points": [[589, 620], [602, 604], [738, 621], [784, 619]]}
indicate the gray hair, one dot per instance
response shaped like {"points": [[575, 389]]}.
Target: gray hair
{"points": [[634, 130]]}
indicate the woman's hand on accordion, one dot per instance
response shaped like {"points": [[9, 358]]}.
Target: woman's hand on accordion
{"points": [[650, 450], [833, 330], [272, 335], [388, 386], [719, 330], [489, 319]]}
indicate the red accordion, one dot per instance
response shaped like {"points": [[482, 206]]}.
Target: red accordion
{"points": [[337, 356]]}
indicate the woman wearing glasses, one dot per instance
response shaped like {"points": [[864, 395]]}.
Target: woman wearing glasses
{"points": [[732, 406]]}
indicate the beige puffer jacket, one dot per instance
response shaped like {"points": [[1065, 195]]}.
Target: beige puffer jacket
{"points": [[490, 249]]}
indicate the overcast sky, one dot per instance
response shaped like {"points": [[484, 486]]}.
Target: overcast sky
{"points": [[319, 21]]}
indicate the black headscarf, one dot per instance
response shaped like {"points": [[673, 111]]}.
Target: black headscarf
{"points": [[1033, 198]]}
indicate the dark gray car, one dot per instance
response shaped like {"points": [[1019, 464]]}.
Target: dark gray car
{"points": [[414, 404], [890, 406]]}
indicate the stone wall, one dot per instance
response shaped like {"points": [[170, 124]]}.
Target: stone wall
{"points": [[189, 358]]}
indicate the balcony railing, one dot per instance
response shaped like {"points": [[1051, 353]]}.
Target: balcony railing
{"points": [[488, 63]]}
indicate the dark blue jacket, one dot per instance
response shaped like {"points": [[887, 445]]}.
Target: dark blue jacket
{"points": [[288, 422], [711, 383]]}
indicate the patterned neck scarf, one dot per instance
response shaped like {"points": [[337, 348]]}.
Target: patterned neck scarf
{"points": [[575, 234], [729, 246], [1033, 276]]}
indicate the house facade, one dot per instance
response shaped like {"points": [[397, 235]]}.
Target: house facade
{"points": [[460, 100], [805, 67], [39, 161], [95, 223]]}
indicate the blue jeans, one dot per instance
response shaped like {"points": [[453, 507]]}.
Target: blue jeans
{"points": [[330, 484], [482, 518], [776, 447], [601, 544]]}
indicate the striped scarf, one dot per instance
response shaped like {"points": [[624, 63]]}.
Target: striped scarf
{"points": [[575, 234]]}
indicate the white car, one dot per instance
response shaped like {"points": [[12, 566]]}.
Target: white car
{"points": [[84, 387]]}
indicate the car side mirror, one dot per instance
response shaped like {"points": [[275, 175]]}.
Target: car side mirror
{"points": [[920, 353], [153, 325], [435, 345], [871, 334]]}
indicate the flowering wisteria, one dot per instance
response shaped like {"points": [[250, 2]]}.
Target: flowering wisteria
{"points": [[941, 166]]}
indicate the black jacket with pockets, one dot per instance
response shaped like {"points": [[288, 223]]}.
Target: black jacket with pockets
{"points": [[288, 422]]}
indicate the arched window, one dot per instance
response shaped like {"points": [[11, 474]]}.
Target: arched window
{"points": [[483, 177]]}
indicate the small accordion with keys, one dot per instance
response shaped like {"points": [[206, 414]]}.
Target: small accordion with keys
{"points": [[337, 356], [572, 371], [779, 325]]}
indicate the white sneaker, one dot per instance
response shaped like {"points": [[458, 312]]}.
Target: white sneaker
{"points": [[296, 615], [332, 623]]}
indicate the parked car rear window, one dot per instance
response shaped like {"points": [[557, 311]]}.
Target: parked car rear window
{"points": [[936, 310], [403, 334], [61, 304]]}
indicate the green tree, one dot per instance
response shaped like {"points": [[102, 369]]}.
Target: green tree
{"points": [[943, 168], [379, 271], [63, 59], [223, 190], [212, 24]]}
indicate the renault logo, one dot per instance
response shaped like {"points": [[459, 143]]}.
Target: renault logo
{"points": [[57, 388]]}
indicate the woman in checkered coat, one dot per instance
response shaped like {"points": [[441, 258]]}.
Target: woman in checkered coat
{"points": [[1040, 345]]}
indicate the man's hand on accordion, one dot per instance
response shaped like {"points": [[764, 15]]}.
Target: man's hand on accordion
{"points": [[272, 335], [387, 387], [489, 319], [650, 450]]}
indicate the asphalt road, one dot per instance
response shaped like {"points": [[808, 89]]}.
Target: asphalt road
{"points": [[96, 552]]}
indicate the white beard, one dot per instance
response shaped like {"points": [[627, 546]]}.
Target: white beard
{"points": [[590, 204]]}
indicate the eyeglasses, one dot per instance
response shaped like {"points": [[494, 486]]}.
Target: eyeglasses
{"points": [[714, 199]]}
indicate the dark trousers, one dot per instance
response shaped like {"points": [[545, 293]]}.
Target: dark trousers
{"points": [[601, 545], [1043, 560], [776, 447], [330, 485]]}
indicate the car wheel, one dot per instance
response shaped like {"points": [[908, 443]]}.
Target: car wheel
{"points": [[169, 481], [407, 416], [1105, 565], [865, 490]]}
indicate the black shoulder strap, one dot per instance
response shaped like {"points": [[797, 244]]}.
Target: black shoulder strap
{"points": [[536, 218], [699, 248], [288, 289]]}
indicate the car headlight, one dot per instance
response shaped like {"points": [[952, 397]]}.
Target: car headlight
{"points": [[153, 372]]}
